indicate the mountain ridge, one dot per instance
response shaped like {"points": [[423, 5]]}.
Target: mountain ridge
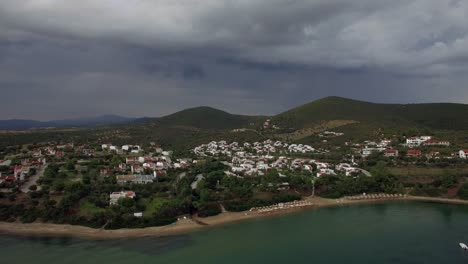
{"points": [[24, 124], [430, 115]]}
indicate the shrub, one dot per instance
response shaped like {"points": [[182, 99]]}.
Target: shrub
{"points": [[463, 192]]}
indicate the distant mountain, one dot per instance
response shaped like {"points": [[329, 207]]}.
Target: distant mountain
{"points": [[205, 117], [21, 124]]}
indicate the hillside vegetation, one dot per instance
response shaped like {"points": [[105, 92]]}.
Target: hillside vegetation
{"points": [[187, 128], [435, 116], [208, 118]]}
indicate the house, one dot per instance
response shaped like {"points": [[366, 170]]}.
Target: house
{"points": [[417, 141], [21, 172], [414, 153], [5, 162], [37, 153], [136, 178], [352, 171], [9, 178], [391, 153], [116, 196], [463, 154], [325, 172], [139, 214], [368, 151], [131, 160], [435, 142]]}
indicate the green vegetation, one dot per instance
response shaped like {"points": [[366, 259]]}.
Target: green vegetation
{"points": [[209, 118], [433, 116], [463, 192], [72, 190]]}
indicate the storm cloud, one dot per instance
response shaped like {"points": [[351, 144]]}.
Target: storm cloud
{"points": [[63, 59]]}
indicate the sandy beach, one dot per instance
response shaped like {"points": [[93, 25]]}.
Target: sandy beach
{"points": [[190, 225]]}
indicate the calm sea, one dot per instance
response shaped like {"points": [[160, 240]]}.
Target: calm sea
{"points": [[399, 232]]}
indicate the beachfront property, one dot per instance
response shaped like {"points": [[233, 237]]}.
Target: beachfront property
{"points": [[116, 196]]}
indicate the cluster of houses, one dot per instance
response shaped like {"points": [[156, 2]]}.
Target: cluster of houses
{"points": [[145, 169], [136, 168], [267, 147], [135, 149], [384, 146], [22, 171], [370, 147], [426, 141], [256, 159], [329, 134]]}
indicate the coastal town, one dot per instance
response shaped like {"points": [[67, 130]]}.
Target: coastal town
{"points": [[129, 165]]}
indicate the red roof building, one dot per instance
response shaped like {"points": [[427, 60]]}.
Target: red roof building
{"points": [[414, 153], [391, 153]]}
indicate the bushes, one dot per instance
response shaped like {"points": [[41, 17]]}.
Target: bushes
{"points": [[428, 190], [463, 192], [206, 210], [29, 216]]}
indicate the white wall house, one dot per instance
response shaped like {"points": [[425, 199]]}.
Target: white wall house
{"points": [[416, 141], [463, 154]]}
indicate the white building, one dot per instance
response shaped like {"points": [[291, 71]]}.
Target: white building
{"points": [[417, 141], [115, 196], [463, 154]]}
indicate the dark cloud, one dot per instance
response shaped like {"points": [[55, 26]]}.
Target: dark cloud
{"points": [[149, 58], [193, 72]]}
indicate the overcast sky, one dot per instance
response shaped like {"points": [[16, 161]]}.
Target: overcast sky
{"points": [[68, 58]]}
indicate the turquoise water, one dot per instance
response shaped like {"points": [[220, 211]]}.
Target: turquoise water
{"points": [[399, 232]]}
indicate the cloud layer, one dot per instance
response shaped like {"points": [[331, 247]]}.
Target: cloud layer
{"points": [[151, 57]]}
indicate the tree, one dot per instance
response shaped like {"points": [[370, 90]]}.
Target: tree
{"points": [[33, 188], [463, 192], [127, 202]]}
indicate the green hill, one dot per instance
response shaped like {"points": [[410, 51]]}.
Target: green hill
{"points": [[208, 118], [357, 119], [436, 115]]}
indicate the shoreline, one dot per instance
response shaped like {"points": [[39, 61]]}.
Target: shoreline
{"points": [[184, 226]]}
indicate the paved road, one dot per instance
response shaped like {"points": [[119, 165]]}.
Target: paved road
{"points": [[33, 179]]}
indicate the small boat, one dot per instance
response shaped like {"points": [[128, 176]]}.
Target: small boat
{"points": [[463, 246]]}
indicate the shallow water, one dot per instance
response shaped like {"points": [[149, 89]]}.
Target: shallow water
{"points": [[397, 232]]}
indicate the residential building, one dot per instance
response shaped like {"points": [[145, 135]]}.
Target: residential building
{"points": [[463, 154], [115, 196], [417, 141], [414, 153], [391, 153], [435, 142]]}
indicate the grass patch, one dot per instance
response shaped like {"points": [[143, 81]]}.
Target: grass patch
{"points": [[89, 209], [154, 204], [412, 171]]}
